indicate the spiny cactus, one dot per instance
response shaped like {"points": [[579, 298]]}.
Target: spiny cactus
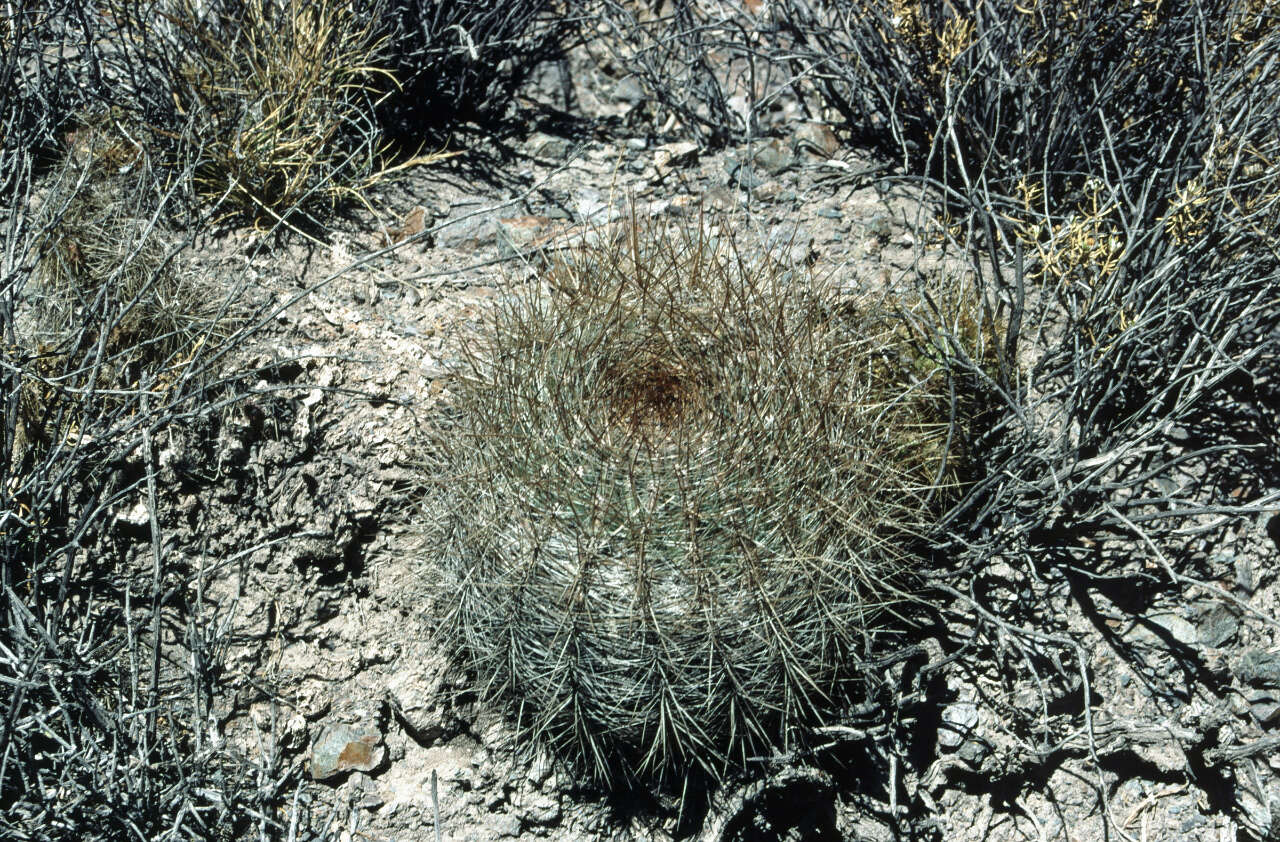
{"points": [[683, 493]]}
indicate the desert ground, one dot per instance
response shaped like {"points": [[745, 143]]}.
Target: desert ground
{"points": [[229, 610]]}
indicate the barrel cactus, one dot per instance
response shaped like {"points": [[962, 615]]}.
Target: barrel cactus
{"points": [[682, 495]]}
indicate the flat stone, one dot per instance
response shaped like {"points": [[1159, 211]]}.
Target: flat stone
{"points": [[816, 140], [340, 748], [542, 145], [1258, 668], [1218, 626], [520, 234], [958, 721], [629, 90], [468, 233], [671, 156], [743, 175], [773, 156]]}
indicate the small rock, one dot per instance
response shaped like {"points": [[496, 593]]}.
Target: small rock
{"points": [[1258, 668], [520, 234], [743, 175], [1177, 627], [830, 213], [671, 156], [816, 140], [1218, 626], [468, 233], [506, 825], [340, 748], [790, 245], [542, 145], [773, 156], [958, 720], [629, 90], [541, 809]]}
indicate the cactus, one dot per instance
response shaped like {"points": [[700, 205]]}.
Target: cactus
{"points": [[682, 496]]}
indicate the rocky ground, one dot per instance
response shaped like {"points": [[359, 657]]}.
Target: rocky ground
{"points": [[301, 515]]}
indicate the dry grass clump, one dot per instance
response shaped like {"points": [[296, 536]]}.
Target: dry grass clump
{"points": [[104, 305], [106, 258], [264, 107], [272, 110], [682, 496], [274, 99]]}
